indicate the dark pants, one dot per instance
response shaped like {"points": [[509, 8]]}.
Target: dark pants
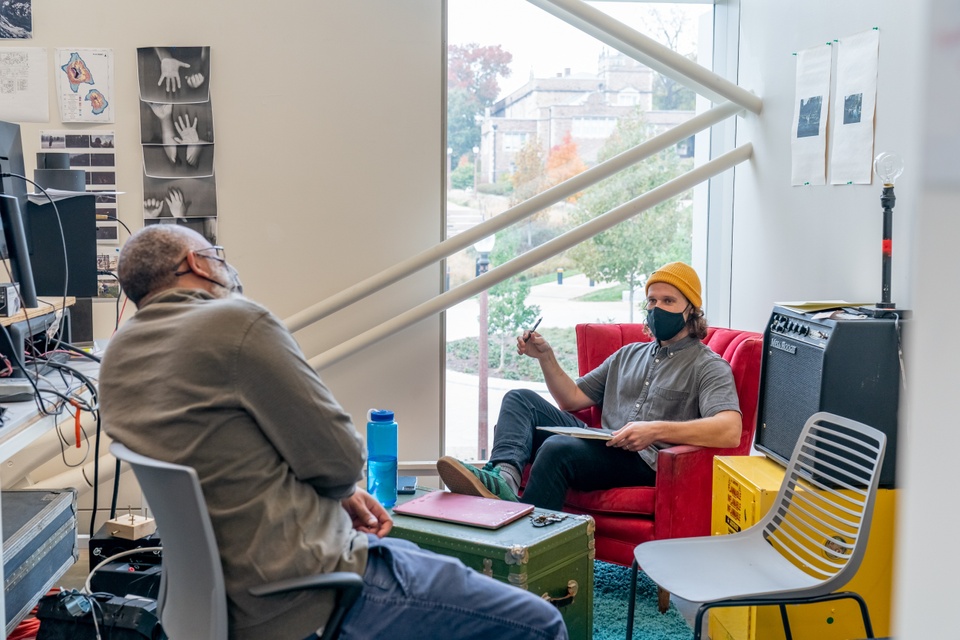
{"points": [[559, 462]]}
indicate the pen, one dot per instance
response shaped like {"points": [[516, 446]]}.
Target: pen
{"points": [[530, 333]]}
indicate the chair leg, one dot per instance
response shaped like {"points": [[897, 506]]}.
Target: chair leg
{"points": [[663, 599], [698, 621], [864, 613], [786, 622], [633, 599]]}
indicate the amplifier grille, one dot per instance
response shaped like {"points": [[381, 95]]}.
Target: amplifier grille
{"points": [[790, 395]]}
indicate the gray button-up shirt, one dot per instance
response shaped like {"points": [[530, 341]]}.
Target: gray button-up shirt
{"points": [[645, 381]]}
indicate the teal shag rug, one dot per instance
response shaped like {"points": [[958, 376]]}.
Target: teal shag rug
{"points": [[611, 597]]}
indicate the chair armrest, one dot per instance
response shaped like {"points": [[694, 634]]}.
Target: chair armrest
{"points": [[346, 586], [684, 491], [340, 580]]}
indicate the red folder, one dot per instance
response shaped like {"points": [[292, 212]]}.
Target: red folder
{"points": [[470, 510]]}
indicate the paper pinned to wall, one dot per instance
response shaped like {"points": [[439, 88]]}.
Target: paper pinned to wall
{"points": [[851, 148], [85, 85], [811, 109], [23, 84]]}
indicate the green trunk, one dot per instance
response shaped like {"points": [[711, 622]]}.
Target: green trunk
{"points": [[553, 560]]}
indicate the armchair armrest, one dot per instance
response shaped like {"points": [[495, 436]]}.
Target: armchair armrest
{"points": [[684, 491]]}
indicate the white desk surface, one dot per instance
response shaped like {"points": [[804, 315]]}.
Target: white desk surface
{"points": [[22, 424]]}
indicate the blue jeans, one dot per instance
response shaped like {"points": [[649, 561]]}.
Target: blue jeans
{"points": [[413, 594], [559, 462]]}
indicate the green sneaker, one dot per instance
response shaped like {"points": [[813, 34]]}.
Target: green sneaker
{"points": [[468, 480]]}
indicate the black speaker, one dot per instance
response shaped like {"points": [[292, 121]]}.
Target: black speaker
{"points": [[847, 362], [78, 216]]}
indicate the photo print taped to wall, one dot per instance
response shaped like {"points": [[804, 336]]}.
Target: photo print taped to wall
{"points": [[809, 133]]}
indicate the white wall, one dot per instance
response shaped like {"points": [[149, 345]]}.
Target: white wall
{"points": [[820, 242], [823, 242], [328, 149]]}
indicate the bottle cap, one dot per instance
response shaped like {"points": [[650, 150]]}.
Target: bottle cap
{"points": [[381, 415]]}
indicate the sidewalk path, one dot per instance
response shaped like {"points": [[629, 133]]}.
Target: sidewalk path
{"points": [[557, 307]]}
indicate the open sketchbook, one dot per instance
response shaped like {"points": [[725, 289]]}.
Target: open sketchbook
{"points": [[649, 454], [580, 432]]}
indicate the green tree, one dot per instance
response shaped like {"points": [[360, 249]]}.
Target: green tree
{"points": [[628, 252], [508, 311], [473, 73]]}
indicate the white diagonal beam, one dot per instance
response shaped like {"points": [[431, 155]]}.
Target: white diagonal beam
{"points": [[535, 256], [521, 211], [650, 52]]}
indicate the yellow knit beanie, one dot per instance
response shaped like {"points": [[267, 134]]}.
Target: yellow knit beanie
{"points": [[683, 277]]}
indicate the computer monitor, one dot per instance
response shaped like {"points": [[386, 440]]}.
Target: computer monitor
{"points": [[13, 202]]}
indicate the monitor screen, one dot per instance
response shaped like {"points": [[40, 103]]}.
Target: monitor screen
{"points": [[12, 208], [11, 161]]}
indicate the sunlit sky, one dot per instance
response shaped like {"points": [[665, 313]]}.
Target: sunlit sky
{"points": [[541, 43]]}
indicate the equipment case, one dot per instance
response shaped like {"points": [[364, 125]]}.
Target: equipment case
{"points": [[39, 545], [555, 561]]}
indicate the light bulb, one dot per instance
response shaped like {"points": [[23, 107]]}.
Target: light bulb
{"points": [[889, 167]]}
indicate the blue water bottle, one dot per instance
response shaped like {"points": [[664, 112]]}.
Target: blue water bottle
{"points": [[382, 457]]}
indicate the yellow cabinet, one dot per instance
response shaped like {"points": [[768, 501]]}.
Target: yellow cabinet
{"points": [[744, 488]]}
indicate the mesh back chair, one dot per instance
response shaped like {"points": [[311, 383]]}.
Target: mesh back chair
{"points": [[193, 601], [807, 547]]}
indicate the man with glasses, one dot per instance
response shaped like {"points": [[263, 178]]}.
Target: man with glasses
{"points": [[673, 390], [203, 377]]}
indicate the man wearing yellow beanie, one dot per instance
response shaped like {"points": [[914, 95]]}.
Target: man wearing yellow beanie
{"points": [[673, 390]]}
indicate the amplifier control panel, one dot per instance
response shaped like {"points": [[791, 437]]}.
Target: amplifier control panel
{"points": [[798, 326]]}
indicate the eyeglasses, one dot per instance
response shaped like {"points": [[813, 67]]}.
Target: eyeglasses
{"points": [[221, 253]]}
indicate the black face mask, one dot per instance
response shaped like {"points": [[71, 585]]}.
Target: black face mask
{"points": [[664, 324]]}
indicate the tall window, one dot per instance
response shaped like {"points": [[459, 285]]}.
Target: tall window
{"points": [[526, 113]]}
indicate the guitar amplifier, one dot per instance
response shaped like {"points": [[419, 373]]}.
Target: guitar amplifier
{"points": [[847, 362]]}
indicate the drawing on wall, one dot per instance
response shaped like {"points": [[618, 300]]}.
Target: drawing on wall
{"points": [[851, 146], [108, 233], [809, 131], [23, 84], [809, 124], [174, 74], [176, 138], [93, 151], [85, 85], [852, 108], [16, 19], [179, 198]]}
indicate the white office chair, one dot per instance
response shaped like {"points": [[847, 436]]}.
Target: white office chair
{"points": [[192, 601], [809, 544]]}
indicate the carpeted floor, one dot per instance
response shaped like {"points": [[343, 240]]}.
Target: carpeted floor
{"points": [[611, 597]]}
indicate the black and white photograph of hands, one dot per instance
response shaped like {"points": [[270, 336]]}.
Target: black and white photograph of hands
{"points": [[178, 75], [177, 139], [184, 198]]}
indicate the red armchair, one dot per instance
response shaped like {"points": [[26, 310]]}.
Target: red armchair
{"points": [[679, 504]]}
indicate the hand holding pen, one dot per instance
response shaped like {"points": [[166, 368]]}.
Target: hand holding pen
{"points": [[529, 334]]}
